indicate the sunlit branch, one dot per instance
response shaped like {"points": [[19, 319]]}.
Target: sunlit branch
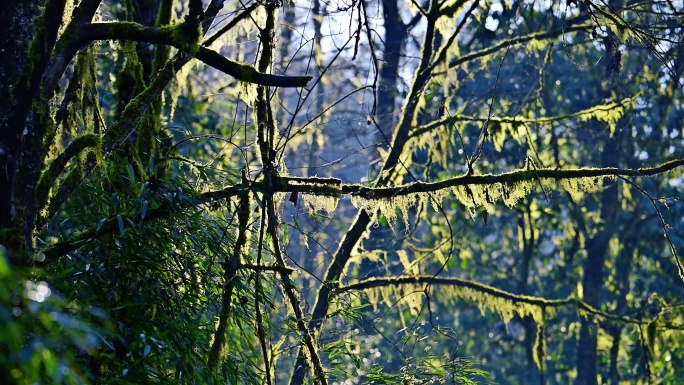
{"points": [[521, 39], [333, 186], [587, 113], [508, 178], [515, 299], [371, 283], [174, 37]]}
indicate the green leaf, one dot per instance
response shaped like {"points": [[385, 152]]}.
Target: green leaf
{"points": [[115, 200], [131, 172], [144, 209], [285, 227], [151, 163], [99, 225], [121, 224], [4, 267]]}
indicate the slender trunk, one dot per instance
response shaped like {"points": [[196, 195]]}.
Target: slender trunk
{"points": [[395, 34], [362, 220], [624, 269], [592, 282], [526, 232]]}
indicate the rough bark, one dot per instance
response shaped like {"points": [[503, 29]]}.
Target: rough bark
{"points": [[17, 22]]}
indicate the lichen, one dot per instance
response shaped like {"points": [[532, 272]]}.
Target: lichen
{"points": [[387, 208], [314, 203]]}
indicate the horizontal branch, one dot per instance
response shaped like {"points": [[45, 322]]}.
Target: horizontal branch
{"points": [[173, 36], [521, 39], [509, 178], [371, 283], [334, 187], [516, 299], [248, 73], [586, 113]]}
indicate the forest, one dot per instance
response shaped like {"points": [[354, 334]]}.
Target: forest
{"points": [[341, 192]]}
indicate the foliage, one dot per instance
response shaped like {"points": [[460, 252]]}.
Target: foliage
{"points": [[379, 192]]}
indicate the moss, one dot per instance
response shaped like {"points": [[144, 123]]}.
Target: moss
{"points": [[34, 54], [49, 178], [186, 35], [540, 348]]}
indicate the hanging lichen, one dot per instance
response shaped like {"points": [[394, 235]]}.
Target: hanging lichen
{"points": [[388, 208], [180, 81], [317, 203], [540, 348]]}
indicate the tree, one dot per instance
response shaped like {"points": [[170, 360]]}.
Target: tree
{"points": [[154, 205]]}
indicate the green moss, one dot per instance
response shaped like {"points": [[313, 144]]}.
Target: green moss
{"points": [[186, 35], [34, 54], [50, 177]]}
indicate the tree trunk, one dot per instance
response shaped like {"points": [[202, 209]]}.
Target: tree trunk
{"points": [[592, 282]]}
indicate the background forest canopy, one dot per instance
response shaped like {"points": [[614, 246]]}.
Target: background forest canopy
{"points": [[356, 191]]}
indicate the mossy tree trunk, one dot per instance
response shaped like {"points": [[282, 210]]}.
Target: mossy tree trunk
{"points": [[35, 59]]}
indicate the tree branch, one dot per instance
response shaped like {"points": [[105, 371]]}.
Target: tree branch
{"points": [[170, 36], [51, 174], [515, 299], [332, 186], [591, 112], [326, 186], [508, 178], [371, 283], [246, 12], [521, 39]]}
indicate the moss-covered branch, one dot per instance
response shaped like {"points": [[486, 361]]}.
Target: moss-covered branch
{"points": [[523, 39], [230, 266], [509, 178], [49, 177], [592, 112], [332, 186], [175, 36], [477, 286], [490, 291]]}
